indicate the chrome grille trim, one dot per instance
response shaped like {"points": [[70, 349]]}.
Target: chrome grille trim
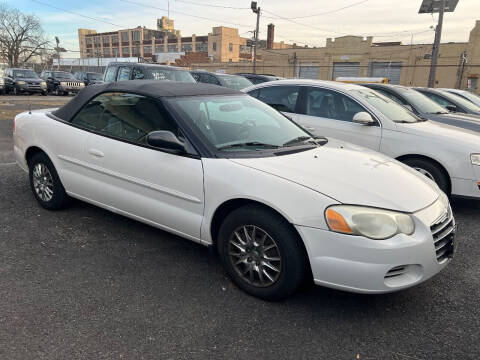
{"points": [[443, 231]]}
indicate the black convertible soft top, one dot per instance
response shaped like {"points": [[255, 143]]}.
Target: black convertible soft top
{"points": [[151, 88]]}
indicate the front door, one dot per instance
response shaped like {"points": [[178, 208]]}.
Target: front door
{"points": [[125, 174], [329, 113]]}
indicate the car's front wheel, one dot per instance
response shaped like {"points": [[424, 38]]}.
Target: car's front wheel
{"points": [[261, 252], [45, 183]]}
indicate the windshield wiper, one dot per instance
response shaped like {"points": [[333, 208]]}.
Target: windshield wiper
{"points": [[297, 140], [438, 112], [247, 144]]}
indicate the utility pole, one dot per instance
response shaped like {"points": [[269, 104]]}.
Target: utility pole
{"points": [[256, 10], [436, 45]]}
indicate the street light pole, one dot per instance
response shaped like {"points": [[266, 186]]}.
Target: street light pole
{"points": [[436, 45], [256, 10]]}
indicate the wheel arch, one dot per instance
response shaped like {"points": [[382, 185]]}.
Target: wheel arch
{"points": [[31, 151], [225, 208], [402, 158]]}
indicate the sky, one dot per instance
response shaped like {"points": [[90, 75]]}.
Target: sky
{"points": [[301, 21]]}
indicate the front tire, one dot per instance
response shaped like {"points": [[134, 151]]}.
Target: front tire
{"points": [[261, 252], [430, 170], [45, 183]]}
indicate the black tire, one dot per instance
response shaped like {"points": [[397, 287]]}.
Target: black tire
{"points": [[59, 199], [436, 173], [293, 263]]}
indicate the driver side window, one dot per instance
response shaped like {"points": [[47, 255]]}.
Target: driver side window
{"points": [[281, 98], [124, 116], [330, 104]]}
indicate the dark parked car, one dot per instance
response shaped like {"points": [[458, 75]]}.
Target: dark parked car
{"points": [[89, 78], [449, 101], [470, 96], [234, 82], [23, 81], [426, 108], [259, 78], [120, 71], [61, 82]]}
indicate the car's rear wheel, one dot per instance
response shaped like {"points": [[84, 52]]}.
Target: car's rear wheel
{"points": [[430, 170], [45, 183], [261, 252]]}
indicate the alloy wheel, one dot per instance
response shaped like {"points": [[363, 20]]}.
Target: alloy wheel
{"points": [[425, 172], [43, 182], [255, 256]]}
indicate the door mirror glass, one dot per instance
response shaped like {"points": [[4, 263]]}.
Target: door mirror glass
{"points": [[165, 140], [363, 118], [451, 108]]}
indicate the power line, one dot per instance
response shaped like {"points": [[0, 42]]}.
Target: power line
{"points": [[183, 13], [328, 12], [211, 5]]}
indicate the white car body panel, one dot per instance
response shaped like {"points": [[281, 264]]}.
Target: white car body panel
{"points": [[450, 146], [181, 195]]}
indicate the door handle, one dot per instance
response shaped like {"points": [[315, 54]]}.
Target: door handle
{"points": [[96, 153]]}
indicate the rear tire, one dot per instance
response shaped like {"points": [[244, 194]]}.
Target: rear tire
{"points": [[430, 170], [268, 261], [45, 183]]}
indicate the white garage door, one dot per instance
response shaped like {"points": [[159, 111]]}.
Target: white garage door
{"points": [[390, 70], [308, 72], [345, 69]]}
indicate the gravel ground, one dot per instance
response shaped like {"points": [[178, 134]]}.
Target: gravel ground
{"points": [[84, 283]]}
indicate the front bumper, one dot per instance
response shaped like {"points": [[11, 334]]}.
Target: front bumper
{"points": [[358, 264], [70, 88], [467, 187], [30, 88]]}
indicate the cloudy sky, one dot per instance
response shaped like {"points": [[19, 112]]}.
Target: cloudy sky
{"points": [[301, 21]]}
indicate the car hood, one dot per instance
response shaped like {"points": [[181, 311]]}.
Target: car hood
{"points": [[445, 133], [29, 79], [353, 175]]}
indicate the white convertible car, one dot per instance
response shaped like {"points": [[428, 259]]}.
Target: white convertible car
{"points": [[223, 169], [446, 154]]}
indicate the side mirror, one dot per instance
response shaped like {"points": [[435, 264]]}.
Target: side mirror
{"points": [[363, 118], [165, 140], [451, 108]]}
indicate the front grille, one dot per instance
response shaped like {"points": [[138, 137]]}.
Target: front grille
{"points": [[443, 232], [396, 271]]}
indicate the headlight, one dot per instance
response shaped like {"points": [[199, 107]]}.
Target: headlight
{"points": [[44, 83], [475, 159], [372, 223], [1, 81], [62, 83], [82, 84], [21, 82]]}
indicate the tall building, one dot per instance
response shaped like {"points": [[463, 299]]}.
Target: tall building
{"points": [[223, 44]]}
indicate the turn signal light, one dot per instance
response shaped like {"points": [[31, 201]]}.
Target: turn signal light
{"points": [[336, 222]]}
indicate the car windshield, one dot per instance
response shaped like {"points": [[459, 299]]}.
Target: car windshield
{"points": [[62, 75], [24, 74], [421, 102], [474, 98], [95, 76], [168, 74], [461, 101], [391, 109], [234, 82], [239, 123]]}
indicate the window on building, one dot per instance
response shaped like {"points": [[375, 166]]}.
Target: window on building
{"points": [[136, 51], [106, 52], [214, 46], [173, 48], [136, 35], [88, 40], [230, 47], [147, 50], [106, 40], [115, 39], [125, 52], [96, 39], [90, 52], [147, 35], [124, 35], [134, 118], [187, 47], [201, 47], [159, 48], [115, 52]]}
